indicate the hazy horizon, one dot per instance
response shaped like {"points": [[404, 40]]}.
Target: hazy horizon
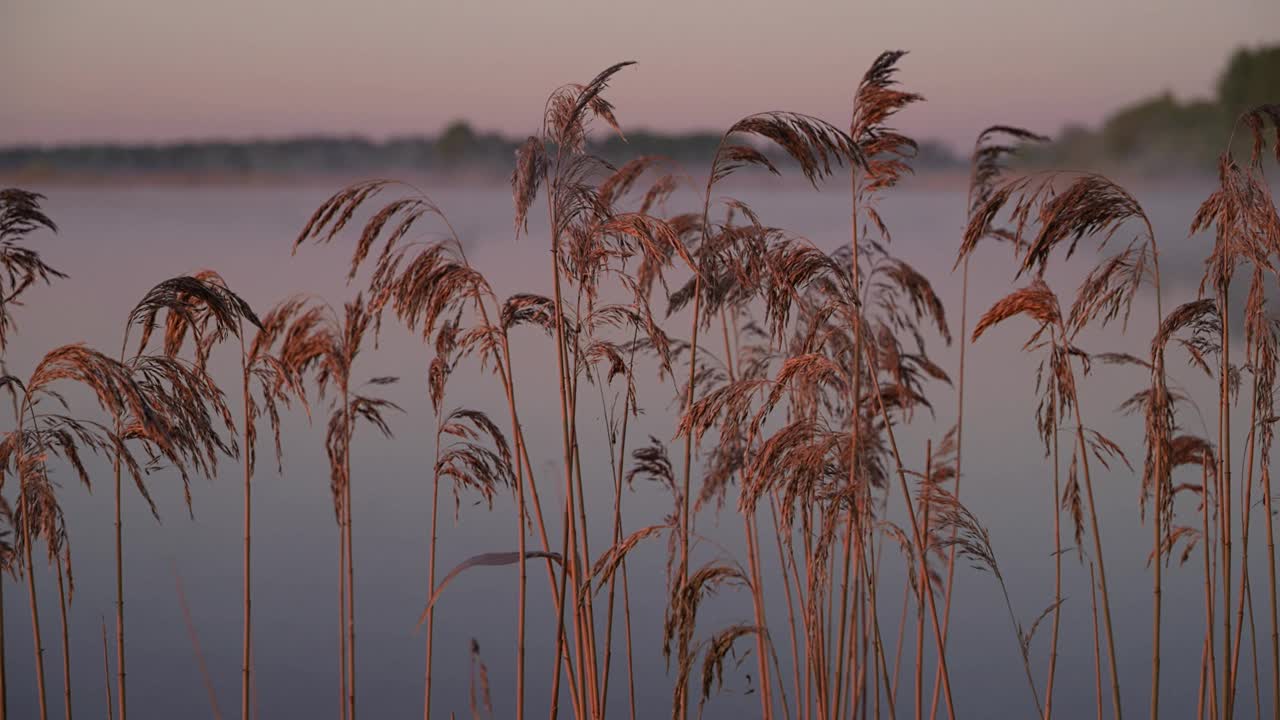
{"points": [[147, 71]]}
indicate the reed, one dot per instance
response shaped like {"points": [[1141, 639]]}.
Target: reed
{"points": [[808, 397]]}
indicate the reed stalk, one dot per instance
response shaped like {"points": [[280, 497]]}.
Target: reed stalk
{"points": [[66, 638]]}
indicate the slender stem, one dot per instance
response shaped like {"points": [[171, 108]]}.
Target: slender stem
{"points": [[922, 584], [1097, 652], [855, 384], [1162, 487], [873, 616], [247, 438], [106, 671], [1246, 507], [626, 614], [1253, 651], [1157, 548], [4, 692], [522, 461], [1097, 546], [951, 554], [753, 561], [572, 565], [342, 612], [685, 523], [587, 607], [431, 566], [66, 643], [351, 557], [791, 614], [522, 590], [902, 634], [31, 591], [120, 671], [1204, 668], [1271, 587], [1209, 594], [1057, 562], [1224, 481], [757, 603], [917, 533]]}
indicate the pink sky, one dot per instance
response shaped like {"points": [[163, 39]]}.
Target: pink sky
{"points": [[138, 70]]}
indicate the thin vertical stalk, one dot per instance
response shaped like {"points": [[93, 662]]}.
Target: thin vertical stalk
{"points": [[522, 590], [524, 469], [4, 692], [922, 583], [35, 611], [917, 534], [24, 503], [902, 634], [1057, 562], [571, 561], [1097, 652], [1246, 506], [120, 671], [1253, 650], [1158, 377], [66, 644], [951, 555], [1097, 545], [1209, 593], [1204, 668], [431, 568], [1271, 577], [1224, 494], [616, 536], [855, 384], [880, 667], [351, 558], [1102, 570], [1157, 543], [688, 470], [342, 614], [753, 562], [106, 671], [247, 609], [791, 613], [626, 614], [587, 608]]}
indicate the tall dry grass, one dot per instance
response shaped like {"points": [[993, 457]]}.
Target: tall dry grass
{"points": [[795, 375]]}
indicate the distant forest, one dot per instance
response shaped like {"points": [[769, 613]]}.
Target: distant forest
{"points": [[456, 150], [1157, 135], [1161, 134]]}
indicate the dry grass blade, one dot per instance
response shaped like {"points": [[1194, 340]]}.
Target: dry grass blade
{"points": [[718, 649], [1036, 301], [817, 146], [529, 173], [494, 559], [1256, 120], [20, 266], [570, 107], [991, 152], [884, 151]]}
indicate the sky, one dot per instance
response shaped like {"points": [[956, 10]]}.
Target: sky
{"points": [[161, 70]]}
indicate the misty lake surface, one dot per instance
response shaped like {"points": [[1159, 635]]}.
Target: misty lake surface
{"points": [[116, 242]]}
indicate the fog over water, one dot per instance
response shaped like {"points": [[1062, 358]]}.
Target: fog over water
{"points": [[116, 242]]}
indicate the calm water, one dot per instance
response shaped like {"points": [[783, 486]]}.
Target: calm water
{"points": [[116, 243]]}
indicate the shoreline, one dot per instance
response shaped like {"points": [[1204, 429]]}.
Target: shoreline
{"points": [[929, 179]]}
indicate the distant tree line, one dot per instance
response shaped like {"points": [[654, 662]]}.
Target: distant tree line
{"points": [[457, 148], [1159, 134], [1162, 134]]}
